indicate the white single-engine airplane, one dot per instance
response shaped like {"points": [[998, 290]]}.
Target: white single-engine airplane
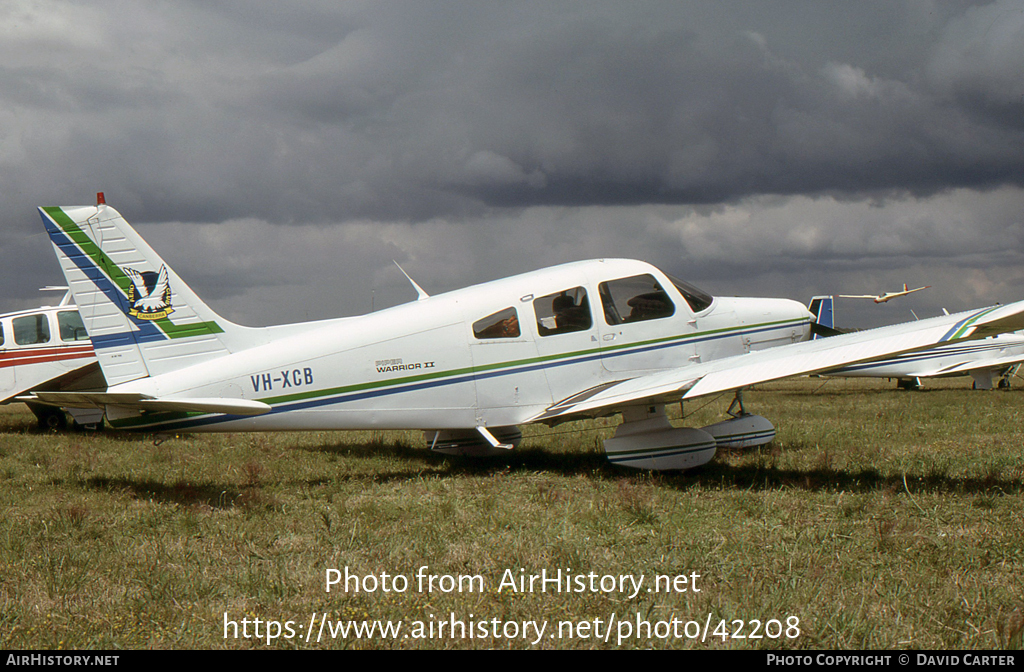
{"points": [[585, 339], [989, 361], [47, 348], [886, 296]]}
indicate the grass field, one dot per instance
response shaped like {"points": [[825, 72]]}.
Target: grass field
{"points": [[877, 519]]}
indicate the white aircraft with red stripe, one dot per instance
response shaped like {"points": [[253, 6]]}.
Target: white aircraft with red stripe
{"points": [[585, 339], [47, 348]]}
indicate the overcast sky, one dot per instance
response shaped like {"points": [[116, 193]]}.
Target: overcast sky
{"points": [[281, 155]]}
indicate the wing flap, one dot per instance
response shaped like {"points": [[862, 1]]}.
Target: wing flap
{"points": [[621, 392]]}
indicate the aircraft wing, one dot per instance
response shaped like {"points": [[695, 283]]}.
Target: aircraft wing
{"points": [[817, 356]]}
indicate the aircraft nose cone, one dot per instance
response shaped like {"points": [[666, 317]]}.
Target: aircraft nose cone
{"points": [[794, 313], [787, 309], [801, 311]]}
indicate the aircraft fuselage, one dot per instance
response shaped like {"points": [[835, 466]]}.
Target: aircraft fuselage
{"points": [[491, 355]]}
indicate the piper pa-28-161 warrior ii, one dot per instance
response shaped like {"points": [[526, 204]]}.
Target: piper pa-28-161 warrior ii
{"points": [[47, 348], [585, 339]]}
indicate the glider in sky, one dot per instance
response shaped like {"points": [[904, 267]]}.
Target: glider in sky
{"points": [[886, 296]]}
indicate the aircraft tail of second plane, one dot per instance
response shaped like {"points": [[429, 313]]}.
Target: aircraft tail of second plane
{"points": [[142, 318], [824, 317]]}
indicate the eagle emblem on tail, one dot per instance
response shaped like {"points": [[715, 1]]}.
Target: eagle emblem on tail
{"points": [[149, 296]]}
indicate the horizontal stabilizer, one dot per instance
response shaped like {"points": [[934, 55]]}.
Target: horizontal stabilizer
{"points": [[144, 402]]}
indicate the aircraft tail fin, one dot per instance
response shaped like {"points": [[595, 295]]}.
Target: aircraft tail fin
{"points": [[821, 308], [142, 318], [824, 322]]}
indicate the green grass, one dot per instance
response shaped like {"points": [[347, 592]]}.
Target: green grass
{"points": [[878, 518]]}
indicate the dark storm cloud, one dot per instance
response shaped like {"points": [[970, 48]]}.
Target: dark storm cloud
{"points": [[415, 110], [471, 139]]}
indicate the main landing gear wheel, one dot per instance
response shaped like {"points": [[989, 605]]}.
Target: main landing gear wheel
{"points": [[646, 439], [49, 418], [744, 430]]}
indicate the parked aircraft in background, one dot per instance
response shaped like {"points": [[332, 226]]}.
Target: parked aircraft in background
{"points": [[47, 348], [989, 361], [887, 296], [585, 339]]}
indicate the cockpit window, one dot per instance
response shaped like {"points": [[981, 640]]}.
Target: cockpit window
{"points": [[502, 324], [634, 299], [697, 298], [563, 312], [1, 334], [31, 329], [71, 327]]}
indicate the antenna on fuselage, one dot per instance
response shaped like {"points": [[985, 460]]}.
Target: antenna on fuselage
{"points": [[419, 290]]}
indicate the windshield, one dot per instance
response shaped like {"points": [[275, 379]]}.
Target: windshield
{"points": [[697, 298]]}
